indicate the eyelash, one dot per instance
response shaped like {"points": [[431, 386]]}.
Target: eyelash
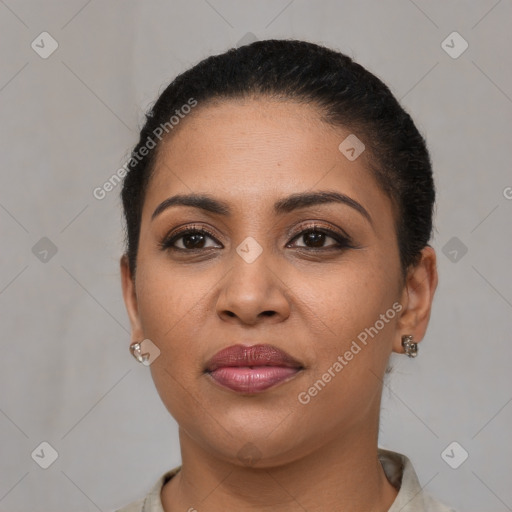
{"points": [[342, 241]]}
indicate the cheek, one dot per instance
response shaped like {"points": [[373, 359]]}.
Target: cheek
{"points": [[169, 300], [350, 298], [358, 308], [359, 313]]}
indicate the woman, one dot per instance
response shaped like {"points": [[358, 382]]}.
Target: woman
{"points": [[278, 209]]}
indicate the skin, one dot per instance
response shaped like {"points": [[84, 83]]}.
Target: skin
{"points": [[311, 302]]}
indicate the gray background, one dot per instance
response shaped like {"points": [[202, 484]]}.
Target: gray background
{"points": [[69, 122]]}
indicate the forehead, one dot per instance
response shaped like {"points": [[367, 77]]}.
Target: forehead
{"points": [[236, 126], [247, 151]]}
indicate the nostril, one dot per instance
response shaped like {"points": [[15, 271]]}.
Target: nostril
{"points": [[268, 313]]}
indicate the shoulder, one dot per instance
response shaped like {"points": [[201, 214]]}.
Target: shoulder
{"points": [[411, 496], [152, 501]]}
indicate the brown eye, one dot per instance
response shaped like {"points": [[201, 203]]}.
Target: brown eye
{"points": [[191, 239], [314, 239], [317, 238]]}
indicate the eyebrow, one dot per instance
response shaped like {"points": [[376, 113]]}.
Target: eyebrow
{"points": [[286, 205]]}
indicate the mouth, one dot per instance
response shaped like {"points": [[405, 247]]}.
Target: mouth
{"points": [[252, 369]]}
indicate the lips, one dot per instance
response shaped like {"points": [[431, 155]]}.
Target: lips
{"points": [[251, 369], [255, 355]]}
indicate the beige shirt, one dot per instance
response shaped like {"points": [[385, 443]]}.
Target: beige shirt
{"points": [[397, 467]]}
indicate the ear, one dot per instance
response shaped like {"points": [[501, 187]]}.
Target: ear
{"points": [[416, 300], [130, 299]]}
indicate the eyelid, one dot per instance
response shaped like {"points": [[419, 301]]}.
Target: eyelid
{"points": [[338, 234], [319, 226], [168, 240]]}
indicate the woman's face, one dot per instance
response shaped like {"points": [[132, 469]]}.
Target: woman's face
{"points": [[333, 301]]}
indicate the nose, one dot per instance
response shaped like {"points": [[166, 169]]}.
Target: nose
{"points": [[253, 293]]}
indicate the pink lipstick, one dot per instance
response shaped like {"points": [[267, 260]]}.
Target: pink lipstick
{"points": [[251, 369]]}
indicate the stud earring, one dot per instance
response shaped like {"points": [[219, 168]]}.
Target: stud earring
{"points": [[411, 348], [136, 351], [144, 351]]}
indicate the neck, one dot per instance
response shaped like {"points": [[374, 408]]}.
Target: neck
{"points": [[342, 475]]}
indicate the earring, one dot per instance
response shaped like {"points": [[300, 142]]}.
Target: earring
{"points": [[136, 351], [411, 348]]}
